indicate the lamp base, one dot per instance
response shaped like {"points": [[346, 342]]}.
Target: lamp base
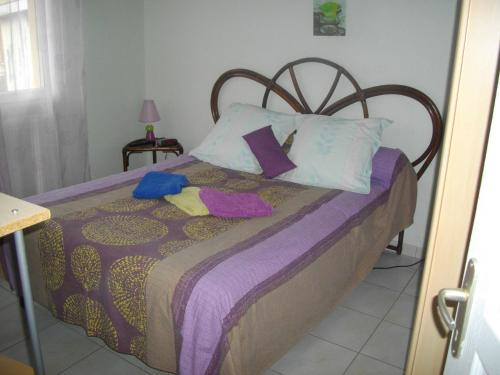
{"points": [[150, 136]]}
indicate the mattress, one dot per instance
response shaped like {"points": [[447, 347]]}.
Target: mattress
{"points": [[207, 295]]}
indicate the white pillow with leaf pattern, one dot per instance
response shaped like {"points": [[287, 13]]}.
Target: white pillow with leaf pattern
{"points": [[335, 153], [225, 147]]}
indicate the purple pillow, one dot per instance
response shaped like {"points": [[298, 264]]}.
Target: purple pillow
{"points": [[268, 152]]}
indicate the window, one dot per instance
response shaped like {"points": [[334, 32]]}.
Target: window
{"points": [[19, 62]]}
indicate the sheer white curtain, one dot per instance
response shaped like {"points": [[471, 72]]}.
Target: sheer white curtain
{"points": [[43, 131]]}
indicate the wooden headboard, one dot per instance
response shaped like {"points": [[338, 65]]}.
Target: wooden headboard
{"points": [[299, 103]]}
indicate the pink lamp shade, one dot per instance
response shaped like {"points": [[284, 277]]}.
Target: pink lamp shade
{"points": [[149, 113]]}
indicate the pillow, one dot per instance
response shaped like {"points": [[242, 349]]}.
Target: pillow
{"points": [[224, 145], [268, 152], [157, 184], [335, 153]]}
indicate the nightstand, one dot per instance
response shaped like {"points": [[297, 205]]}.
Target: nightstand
{"points": [[141, 145]]}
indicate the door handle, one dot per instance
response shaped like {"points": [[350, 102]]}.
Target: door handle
{"points": [[463, 297], [454, 295]]}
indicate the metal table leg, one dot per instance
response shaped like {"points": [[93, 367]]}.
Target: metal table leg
{"points": [[28, 301]]}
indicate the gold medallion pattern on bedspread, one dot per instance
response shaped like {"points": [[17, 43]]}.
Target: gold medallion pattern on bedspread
{"points": [[275, 195], [128, 204], [172, 247], [90, 314], [81, 215], [86, 266], [225, 189], [96, 260], [241, 184], [52, 256], [123, 230], [127, 284], [251, 176], [138, 347], [204, 228], [170, 212], [208, 177]]}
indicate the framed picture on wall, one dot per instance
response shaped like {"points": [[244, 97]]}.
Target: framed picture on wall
{"points": [[329, 17]]}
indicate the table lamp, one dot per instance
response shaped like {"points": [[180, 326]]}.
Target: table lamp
{"points": [[149, 114]]}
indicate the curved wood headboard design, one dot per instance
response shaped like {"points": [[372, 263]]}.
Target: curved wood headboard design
{"points": [[360, 95]]}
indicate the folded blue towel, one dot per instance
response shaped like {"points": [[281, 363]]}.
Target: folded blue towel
{"points": [[157, 184]]}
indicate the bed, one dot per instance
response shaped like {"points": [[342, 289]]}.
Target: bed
{"points": [[209, 295]]}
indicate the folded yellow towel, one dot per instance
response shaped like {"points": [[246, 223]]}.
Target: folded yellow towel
{"points": [[188, 200]]}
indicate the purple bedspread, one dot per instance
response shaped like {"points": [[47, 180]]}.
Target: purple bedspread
{"points": [[210, 299]]}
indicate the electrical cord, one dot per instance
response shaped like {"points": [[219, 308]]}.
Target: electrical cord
{"points": [[400, 266]]}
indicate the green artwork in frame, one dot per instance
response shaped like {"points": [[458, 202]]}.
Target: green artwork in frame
{"points": [[329, 17]]}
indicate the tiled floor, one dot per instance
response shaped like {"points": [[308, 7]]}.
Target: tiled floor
{"points": [[366, 334]]}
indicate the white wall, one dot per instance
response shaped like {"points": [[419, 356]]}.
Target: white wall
{"points": [[114, 62], [188, 44]]}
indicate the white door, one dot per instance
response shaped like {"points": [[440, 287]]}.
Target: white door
{"points": [[480, 352]]}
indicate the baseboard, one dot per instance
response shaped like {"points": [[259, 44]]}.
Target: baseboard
{"points": [[413, 251], [410, 250]]}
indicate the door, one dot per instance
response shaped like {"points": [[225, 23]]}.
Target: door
{"points": [[480, 351], [471, 97]]}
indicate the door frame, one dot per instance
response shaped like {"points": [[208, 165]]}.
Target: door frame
{"points": [[468, 117]]}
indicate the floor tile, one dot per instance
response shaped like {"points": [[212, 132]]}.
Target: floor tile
{"points": [[370, 299], [395, 278], [103, 362], [364, 365], [134, 361], [412, 287], [347, 328], [389, 344], [390, 258], [81, 331], [313, 356], [61, 348], [6, 298], [403, 311], [12, 324]]}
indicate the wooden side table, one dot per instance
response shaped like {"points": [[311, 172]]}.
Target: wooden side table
{"points": [[140, 145], [16, 215]]}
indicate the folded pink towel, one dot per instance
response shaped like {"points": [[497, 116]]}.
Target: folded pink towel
{"points": [[224, 204]]}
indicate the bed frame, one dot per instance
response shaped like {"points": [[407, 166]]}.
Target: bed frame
{"points": [[300, 105]]}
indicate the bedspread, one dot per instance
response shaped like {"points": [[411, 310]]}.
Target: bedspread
{"points": [[193, 294]]}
